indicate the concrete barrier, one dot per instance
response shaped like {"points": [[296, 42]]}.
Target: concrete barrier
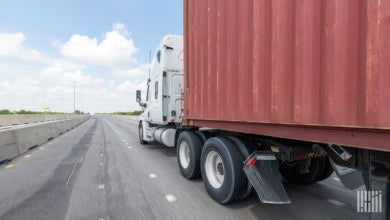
{"points": [[7, 120], [17, 141], [8, 148]]}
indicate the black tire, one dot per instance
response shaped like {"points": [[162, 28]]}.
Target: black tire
{"points": [[316, 171], [194, 144], [327, 170], [246, 148], [234, 181], [141, 134]]}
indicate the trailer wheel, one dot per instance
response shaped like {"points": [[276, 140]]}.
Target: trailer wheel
{"points": [[221, 169], [327, 169], [188, 151], [292, 174], [246, 148], [141, 134]]}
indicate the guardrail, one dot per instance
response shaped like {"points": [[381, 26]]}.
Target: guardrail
{"points": [[7, 120], [17, 141]]}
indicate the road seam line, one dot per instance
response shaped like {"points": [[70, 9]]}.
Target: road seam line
{"points": [[71, 173]]}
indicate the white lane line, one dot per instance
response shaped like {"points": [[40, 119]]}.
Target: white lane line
{"points": [[101, 155], [152, 175], [170, 198], [337, 203], [124, 140], [27, 156], [101, 186], [129, 147], [71, 173], [335, 178], [9, 166], [41, 148]]}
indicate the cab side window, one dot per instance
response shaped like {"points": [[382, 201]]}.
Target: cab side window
{"points": [[159, 56]]}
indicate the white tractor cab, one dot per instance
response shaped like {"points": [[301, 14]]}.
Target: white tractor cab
{"points": [[163, 109]]}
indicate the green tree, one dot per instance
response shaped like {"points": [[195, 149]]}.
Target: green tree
{"points": [[5, 112]]}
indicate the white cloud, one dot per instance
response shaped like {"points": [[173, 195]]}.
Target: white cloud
{"points": [[140, 71], [11, 45], [48, 81], [130, 86], [121, 28], [115, 49], [80, 79], [112, 84], [52, 72], [62, 75]]}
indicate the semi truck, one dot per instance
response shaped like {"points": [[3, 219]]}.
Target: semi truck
{"points": [[258, 93]]}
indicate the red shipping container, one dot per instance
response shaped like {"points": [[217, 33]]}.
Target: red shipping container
{"points": [[316, 70]]}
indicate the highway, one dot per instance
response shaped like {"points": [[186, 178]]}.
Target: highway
{"points": [[100, 171]]}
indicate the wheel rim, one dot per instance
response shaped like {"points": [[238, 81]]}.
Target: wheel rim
{"points": [[184, 154], [215, 169]]}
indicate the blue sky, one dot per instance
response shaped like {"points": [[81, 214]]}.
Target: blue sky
{"points": [[55, 39]]}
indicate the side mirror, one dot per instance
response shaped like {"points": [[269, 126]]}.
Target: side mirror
{"points": [[139, 96]]}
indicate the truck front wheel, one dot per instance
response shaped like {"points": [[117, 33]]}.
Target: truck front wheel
{"points": [[141, 134], [221, 170], [188, 150]]}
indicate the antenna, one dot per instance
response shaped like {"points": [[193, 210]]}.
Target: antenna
{"points": [[150, 57]]}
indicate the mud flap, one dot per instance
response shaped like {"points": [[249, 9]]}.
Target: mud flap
{"points": [[263, 173], [350, 178]]}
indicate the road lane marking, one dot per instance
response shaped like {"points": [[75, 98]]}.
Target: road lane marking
{"points": [[9, 166], [71, 173], [152, 175], [129, 147], [101, 164], [41, 148], [101, 155], [170, 198], [124, 140], [337, 203], [335, 178], [101, 186], [27, 156]]}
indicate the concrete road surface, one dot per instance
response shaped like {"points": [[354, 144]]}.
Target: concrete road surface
{"points": [[100, 171]]}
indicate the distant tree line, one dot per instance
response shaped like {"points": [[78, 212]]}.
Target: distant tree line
{"points": [[25, 112], [128, 113]]}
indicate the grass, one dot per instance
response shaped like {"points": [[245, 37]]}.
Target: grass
{"points": [[26, 112], [128, 113]]}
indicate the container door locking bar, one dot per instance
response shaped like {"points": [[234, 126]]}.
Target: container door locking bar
{"points": [[263, 173]]}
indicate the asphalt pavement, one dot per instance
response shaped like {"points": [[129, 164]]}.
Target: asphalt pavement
{"points": [[99, 171]]}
